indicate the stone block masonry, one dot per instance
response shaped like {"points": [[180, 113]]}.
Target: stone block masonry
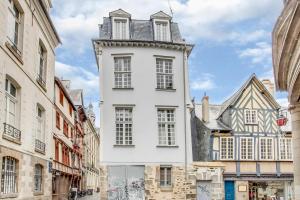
{"points": [[200, 175]]}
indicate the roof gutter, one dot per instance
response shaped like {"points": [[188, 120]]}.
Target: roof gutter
{"points": [[50, 20]]}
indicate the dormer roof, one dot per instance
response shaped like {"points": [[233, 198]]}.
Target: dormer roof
{"points": [[119, 13], [161, 15]]}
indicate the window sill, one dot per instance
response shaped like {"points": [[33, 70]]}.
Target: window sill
{"points": [[17, 141], [14, 51], [122, 88], [165, 90], [43, 86], [167, 146], [39, 151], [6, 196], [124, 145]]}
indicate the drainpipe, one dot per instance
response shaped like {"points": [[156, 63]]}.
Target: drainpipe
{"points": [[184, 114]]}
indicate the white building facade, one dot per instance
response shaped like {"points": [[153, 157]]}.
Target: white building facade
{"points": [[27, 42], [91, 154], [145, 124]]}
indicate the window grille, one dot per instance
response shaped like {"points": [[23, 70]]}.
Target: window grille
{"points": [[9, 175]]}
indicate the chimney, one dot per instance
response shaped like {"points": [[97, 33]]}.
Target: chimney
{"points": [[269, 85], [205, 109]]}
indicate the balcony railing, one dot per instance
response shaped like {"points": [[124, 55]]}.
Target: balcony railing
{"points": [[12, 133], [40, 146]]}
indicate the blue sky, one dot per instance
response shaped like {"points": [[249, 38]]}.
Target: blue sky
{"points": [[232, 40]]}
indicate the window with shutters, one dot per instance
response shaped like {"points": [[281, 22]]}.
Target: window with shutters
{"points": [[166, 126], [70, 110], [61, 97], [66, 128], [250, 116], [9, 175], [227, 148], [165, 176], [38, 178], [164, 73], [56, 151], [57, 120], [14, 26], [286, 149], [123, 126], [122, 72], [246, 148], [266, 148]]}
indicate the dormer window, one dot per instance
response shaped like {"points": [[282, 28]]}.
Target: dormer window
{"points": [[120, 24], [120, 29], [162, 30]]}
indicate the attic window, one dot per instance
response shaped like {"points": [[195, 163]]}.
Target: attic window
{"points": [[120, 29], [162, 30], [250, 116]]}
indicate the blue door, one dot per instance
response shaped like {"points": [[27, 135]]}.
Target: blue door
{"points": [[229, 190]]}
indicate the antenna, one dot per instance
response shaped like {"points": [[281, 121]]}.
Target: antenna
{"points": [[170, 8]]}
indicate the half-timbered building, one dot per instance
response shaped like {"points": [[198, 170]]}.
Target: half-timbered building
{"points": [[244, 135]]}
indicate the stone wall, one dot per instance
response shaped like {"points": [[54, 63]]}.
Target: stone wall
{"points": [[181, 189], [25, 175]]}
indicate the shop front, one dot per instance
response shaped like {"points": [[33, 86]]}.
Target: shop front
{"points": [[271, 190]]}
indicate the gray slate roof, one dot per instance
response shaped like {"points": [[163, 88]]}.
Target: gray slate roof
{"points": [[140, 30], [214, 123]]}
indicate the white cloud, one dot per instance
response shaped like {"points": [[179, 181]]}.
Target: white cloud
{"points": [[80, 78], [77, 22], [204, 82], [260, 54], [283, 102]]}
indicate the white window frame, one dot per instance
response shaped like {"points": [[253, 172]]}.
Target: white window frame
{"points": [[227, 155], [162, 30], [164, 74], [268, 152], [9, 175], [14, 25], [122, 73], [123, 118], [11, 99], [247, 148], [165, 179], [166, 125], [40, 124], [250, 116], [285, 149], [120, 28], [42, 63]]}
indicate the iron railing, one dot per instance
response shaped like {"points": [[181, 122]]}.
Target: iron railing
{"points": [[40, 146], [12, 132]]}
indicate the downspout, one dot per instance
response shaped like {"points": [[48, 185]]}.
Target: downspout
{"points": [[184, 115]]}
